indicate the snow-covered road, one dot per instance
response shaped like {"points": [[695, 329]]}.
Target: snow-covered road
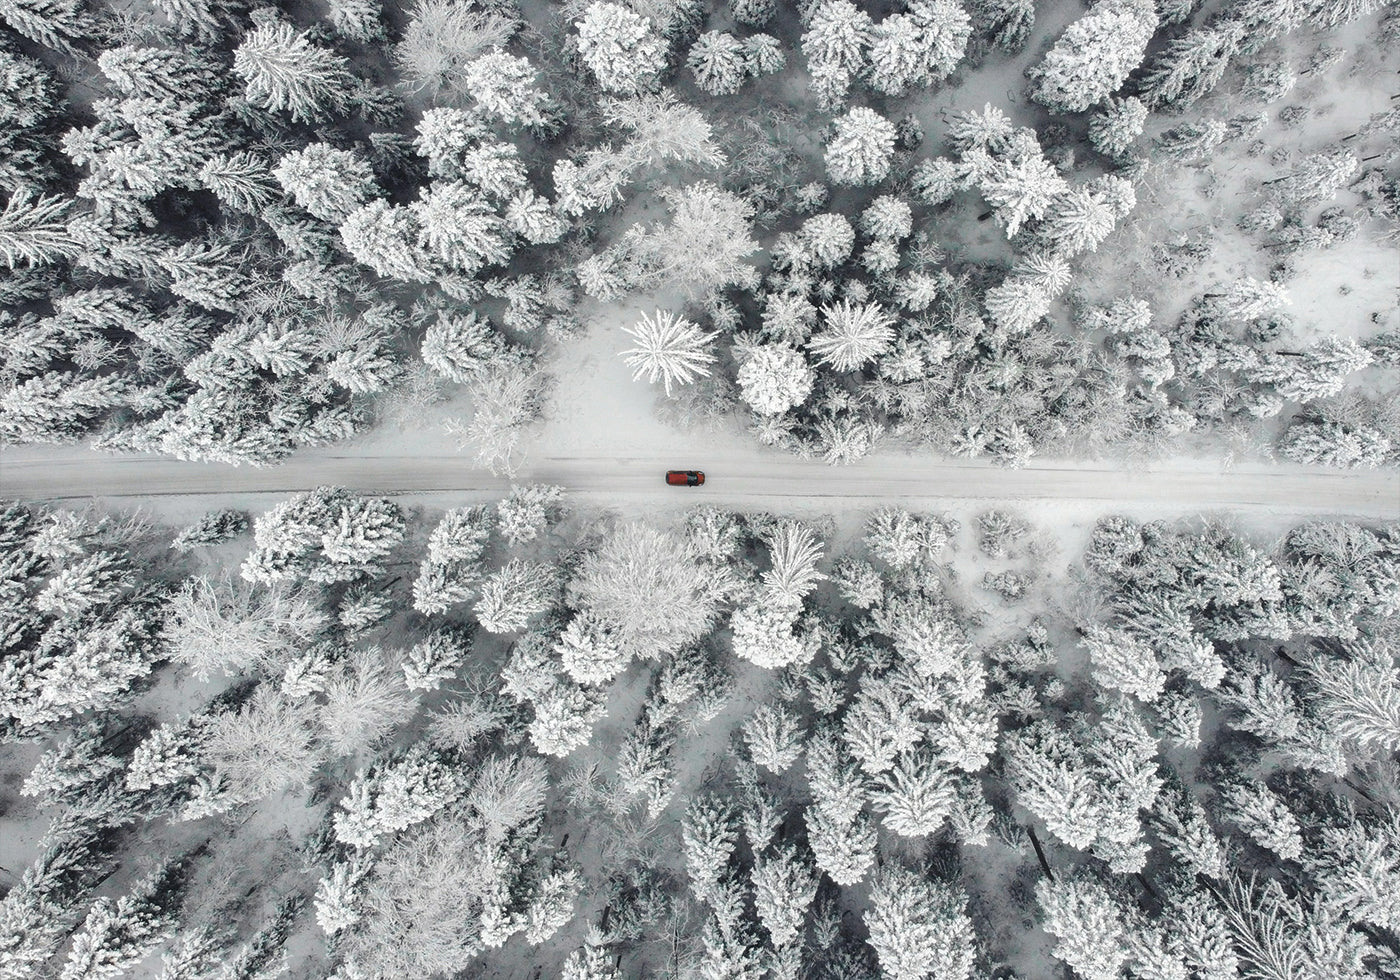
{"points": [[756, 479]]}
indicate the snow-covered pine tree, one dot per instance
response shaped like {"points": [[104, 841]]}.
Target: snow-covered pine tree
{"points": [[852, 334], [784, 888], [1116, 126], [670, 349], [511, 595], [327, 182], [1258, 811], [565, 715], [843, 849], [1087, 923], [708, 837], [827, 239], [1191, 65], [919, 927], [861, 148], [621, 48], [774, 378], [283, 71], [717, 61], [1122, 662], [774, 735], [118, 933], [1094, 55], [835, 44]]}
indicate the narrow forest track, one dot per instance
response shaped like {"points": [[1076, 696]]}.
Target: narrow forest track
{"points": [[33, 473]]}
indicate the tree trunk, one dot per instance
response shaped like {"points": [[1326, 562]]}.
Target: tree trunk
{"points": [[1040, 854]]}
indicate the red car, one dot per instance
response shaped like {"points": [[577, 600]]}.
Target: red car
{"points": [[684, 478]]}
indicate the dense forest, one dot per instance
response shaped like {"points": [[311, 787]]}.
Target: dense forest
{"points": [[348, 739], [230, 231], [344, 736]]}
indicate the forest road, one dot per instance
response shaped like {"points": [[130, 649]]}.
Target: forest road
{"points": [[756, 480]]}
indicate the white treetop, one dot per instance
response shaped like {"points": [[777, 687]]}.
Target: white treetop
{"points": [[853, 335], [862, 147], [621, 49], [670, 349], [774, 378]]}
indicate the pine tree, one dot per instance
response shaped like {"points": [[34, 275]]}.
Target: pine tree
{"points": [[621, 48], [78, 766], [564, 718], [324, 535], [828, 239], [919, 927], [503, 87], [357, 20], [87, 584], [1123, 663], [853, 334], [434, 659], [1094, 55], [1022, 188], [916, 796], [898, 60], [754, 13], [918, 48], [774, 737], [669, 348], [784, 888], [1335, 444], [118, 934], [589, 650], [1115, 127], [763, 634], [385, 238], [1357, 871], [844, 849], [1052, 779], [1360, 696], [1205, 937], [861, 147], [592, 961], [902, 540], [459, 228], [888, 217], [858, 582], [708, 837], [1078, 221], [774, 378], [1263, 816], [514, 593], [33, 231], [834, 43], [213, 528], [763, 55], [552, 904], [459, 347], [1192, 141], [1017, 304], [794, 551], [1006, 23], [283, 71], [1190, 66], [329, 183], [717, 60], [1087, 925], [56, 24]]}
